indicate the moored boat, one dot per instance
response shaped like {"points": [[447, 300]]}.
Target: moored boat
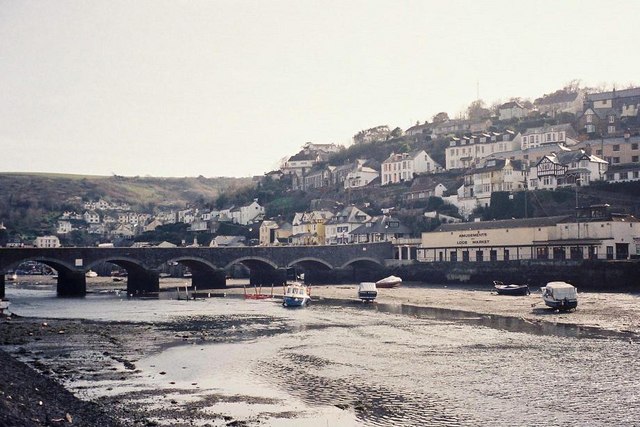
{"points": [[4, 304], [389, 282], [11, 277], [511, 289], [91, 273], [367, 291], [560, 295], [296, 295]]}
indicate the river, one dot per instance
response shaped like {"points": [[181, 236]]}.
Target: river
{"points": [[343, 363]]}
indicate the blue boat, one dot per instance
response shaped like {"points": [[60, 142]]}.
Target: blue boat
{"points": [[296, 295]]}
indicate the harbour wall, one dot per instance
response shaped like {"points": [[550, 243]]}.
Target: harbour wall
{"points": [[593, 275]]}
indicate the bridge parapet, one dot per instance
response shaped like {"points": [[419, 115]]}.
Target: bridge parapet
{"points": [[143, 263]]}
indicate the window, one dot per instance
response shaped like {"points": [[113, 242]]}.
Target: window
{"points": [[612, 119], [636, 174], [624, 175], [616, 147], [634, 146], [611, 129], [635, 159], [589, 119], [598, 152], [590, 128], [615, 160], [611, 177]]}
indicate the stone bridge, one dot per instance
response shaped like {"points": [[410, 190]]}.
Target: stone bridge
{"points": [[208, 265]]}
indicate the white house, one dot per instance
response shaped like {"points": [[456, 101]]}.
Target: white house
{"points": [[64, 227], [360, 177], [247, 214], [467, 151], [46, 242], [511, 110], [91, 217], [401, 167], [556, 134]]}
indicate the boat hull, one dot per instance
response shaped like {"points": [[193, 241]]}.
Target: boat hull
{"points": [[289, 301], [367, 296], [561, 304], [513, 289]]}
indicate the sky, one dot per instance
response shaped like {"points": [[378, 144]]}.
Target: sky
{"points": [[229, 88]]}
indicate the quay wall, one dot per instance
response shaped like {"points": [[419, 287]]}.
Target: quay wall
{"points": [[604, 276]]}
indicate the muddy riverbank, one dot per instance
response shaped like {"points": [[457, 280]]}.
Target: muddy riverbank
{"points": [[76, 352]]}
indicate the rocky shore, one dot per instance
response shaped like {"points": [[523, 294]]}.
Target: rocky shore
{"points": [[31, 391]]}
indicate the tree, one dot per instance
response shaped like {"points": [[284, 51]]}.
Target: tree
{"points": [[477, 110], [396, 133], [441, 117]]}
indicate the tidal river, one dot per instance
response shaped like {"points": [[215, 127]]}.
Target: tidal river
{"points": [[338, 363]]}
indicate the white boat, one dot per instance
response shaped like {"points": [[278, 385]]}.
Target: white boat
{"points": [[389, 282], [367, 291], [91, 273], [560, 295], [296, 295], [11, 277], [4, 304]]}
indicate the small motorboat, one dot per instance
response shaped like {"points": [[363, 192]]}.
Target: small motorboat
{"points": [[367, 291], [11, 277], [4, 304], [389, 282], [296, 295], [511, 289], [91, 273], [560, 295]]}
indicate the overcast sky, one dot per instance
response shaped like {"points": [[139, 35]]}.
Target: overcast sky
{"points": [[227, 88]]}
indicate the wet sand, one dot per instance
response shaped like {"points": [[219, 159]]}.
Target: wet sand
{"points": [[617, 312], [31, 394]]}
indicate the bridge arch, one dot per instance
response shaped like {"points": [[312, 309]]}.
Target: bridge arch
{"points": [[311, 262], [362, 261], [253, 262], [51, 262]]}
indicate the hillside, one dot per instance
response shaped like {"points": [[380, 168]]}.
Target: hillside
{"points": [[30, 202]]}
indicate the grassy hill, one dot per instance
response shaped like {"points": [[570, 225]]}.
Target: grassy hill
{"points": [[30, 202]]}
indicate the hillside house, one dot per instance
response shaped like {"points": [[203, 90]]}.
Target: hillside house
{"points": [[402, 167], [338, 229], [423, 187], [378, 133], [555, 134], [383, 228], [46, 242], [91, 217], [567, 169], [495, 175], [273, 233], [308, 228], [616, 151], [467, 151], [512, 110], [64, 227], [623, 173], [360, 177], [560, 101]]}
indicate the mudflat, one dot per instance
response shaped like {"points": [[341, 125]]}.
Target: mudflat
{"points": [[32, 394]]}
